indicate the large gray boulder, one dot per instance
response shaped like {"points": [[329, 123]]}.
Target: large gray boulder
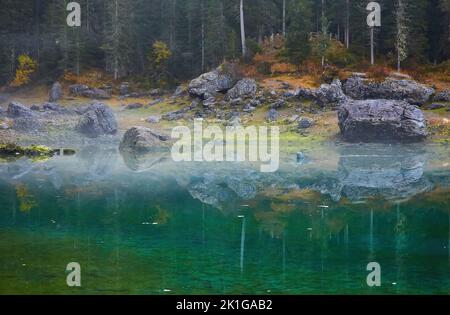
{"points": [[141, 139], [97, 94], [78, 89], [55, 93], [411, 91], [327, 95], [330, 94], [18, 110], [219, 80], [97, 119], [244, 88], [124, 89], [381, 120], [85, 91]]}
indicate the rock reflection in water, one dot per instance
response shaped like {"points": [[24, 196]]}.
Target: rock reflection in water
{"points": [[144, 161], [391, 172]]}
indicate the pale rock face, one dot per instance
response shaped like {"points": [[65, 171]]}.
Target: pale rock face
{"points": [[391, 89], [381, 121]]}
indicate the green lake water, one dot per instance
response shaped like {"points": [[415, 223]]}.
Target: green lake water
{"points": [[146, 225]]}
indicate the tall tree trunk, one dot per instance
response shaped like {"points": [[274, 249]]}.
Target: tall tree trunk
{"points": [[244, 47], [116, 34], [347, 27], [38, 30], [284, 18], [372, 52], [203, 34], [87, 16]]}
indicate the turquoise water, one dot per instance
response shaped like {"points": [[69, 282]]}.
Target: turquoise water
{"points": [[146, 225]]}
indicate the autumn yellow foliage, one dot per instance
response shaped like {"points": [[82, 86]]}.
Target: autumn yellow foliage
{"points": [[27, 66]]}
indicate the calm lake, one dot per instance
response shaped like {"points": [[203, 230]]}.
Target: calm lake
{"points": [[147, 225]]}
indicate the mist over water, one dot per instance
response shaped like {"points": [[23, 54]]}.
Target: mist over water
{"points": [[144, 224]]}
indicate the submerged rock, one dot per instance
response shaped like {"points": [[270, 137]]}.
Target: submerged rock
{"points": [[391, 89], [142, 139], [97, 119], [381, 120]]}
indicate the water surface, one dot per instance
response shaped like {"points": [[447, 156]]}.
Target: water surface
{"points": [[146, 225]]}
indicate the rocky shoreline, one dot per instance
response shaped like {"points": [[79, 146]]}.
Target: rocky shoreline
{"points": [[367, 111]]}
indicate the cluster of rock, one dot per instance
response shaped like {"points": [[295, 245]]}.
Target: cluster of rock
{"points": [[224, 80], [359, 88], [92, 93], [95, 119], [327, 95]]}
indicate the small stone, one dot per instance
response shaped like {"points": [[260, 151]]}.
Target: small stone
{"points": [[134, 106], [436, 106], [210, 102], [305, 123], [155, 92], [272, 115], [293, 119], [249, 109], [278, 104], [154, 119], [157, 101]]}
